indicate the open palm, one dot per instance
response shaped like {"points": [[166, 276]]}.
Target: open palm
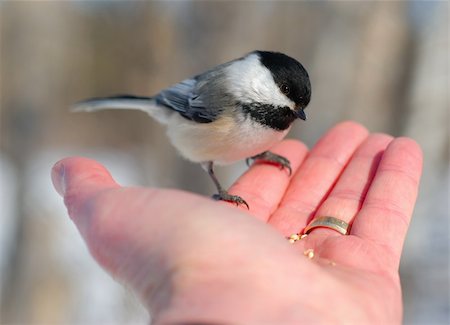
{"points": [[191, 259]]}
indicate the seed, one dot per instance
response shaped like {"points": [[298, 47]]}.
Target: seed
{"points": [[309, 253]]}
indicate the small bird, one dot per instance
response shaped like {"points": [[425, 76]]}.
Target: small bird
{"points": [[236, 110]]}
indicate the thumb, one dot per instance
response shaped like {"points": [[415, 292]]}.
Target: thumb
{"points": [[77, 179]]}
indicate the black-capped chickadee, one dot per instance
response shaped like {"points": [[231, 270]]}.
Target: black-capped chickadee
{"points": [[237, 110]]}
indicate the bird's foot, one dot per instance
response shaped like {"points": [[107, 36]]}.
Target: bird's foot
{"points": [[273, 158], [225, 196]]}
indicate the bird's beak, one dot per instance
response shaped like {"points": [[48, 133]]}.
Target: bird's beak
{"points": [[301, 113]]}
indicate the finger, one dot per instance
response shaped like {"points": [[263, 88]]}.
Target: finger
{"points": [[316, 176], [263, 186], [346, 197], [387, 209], [124, 228], [77, 178]]}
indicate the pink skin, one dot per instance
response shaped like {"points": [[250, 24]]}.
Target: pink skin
{"points": [[191, 259]]}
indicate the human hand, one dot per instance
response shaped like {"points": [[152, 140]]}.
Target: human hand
{"points": [[194, 260]]}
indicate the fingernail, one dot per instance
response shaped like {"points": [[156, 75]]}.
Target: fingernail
{"points": [[58, 174]]}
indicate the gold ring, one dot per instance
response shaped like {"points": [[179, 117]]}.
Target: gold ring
{"points": [[328, 222]]}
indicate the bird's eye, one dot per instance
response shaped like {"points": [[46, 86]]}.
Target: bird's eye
{"points": [[285, 89]]}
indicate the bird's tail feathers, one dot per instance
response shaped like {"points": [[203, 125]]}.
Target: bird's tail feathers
{"points": [[146, 104]]}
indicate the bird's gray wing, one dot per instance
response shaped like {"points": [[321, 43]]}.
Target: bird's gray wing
{"points": [[190, 99], [202, 98]]}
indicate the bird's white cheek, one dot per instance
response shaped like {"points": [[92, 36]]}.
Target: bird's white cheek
{"points": [[250, 81]]}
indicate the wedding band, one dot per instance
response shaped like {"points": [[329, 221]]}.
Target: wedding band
{"points": [[328, 222]]}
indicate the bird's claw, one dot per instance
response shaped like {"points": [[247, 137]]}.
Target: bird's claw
{"points": [[225, 196], [271, 157]]}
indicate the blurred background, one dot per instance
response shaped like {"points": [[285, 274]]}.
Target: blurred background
{"points": [[384, 64]]}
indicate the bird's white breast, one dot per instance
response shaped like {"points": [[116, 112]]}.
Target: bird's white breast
{"points": [[223, 141]]}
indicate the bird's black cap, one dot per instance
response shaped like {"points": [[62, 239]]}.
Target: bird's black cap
{"points": [[290, 76]]}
